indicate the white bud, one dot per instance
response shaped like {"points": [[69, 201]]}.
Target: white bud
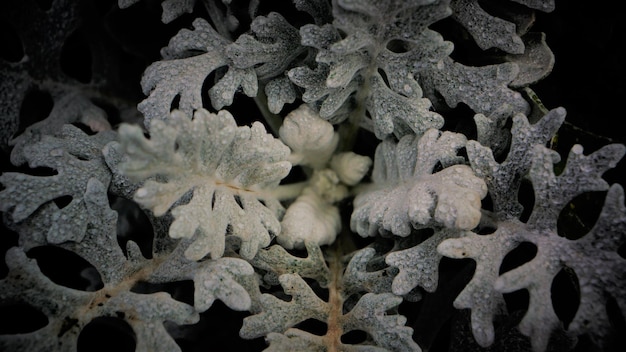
{"points": [[310, 219], [350, 167], [312, 139]]}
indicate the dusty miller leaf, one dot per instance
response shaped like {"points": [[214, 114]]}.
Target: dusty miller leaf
{"points": [[488, 31], [484, 89], [419, 265], [69, 310], [78, 160], [535, 63], [354, 64], [369, 315], [408, 195], [582, 174], [276, 45], [369, 312], [274, 261], [593, 258], [172, 9], [223, 278], [44, 36], [228, 169], [504, 179], [183, 72]]}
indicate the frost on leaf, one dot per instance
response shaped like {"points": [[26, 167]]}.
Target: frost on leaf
{"points": [[183, 71], [408, 193], [598, 249], [370, 314], [224, 171], [77, 161], [386, 43]]}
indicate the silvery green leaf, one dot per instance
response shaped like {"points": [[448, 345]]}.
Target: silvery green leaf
{"points": [[370, 314], [484, 88], [189, 58], [554, 253], [504, 179], [361, 70], [229, 171], [535, 63], [279, 91], [407, 194], [78, 162], [277, 261], [488, 31], [275, 45]]}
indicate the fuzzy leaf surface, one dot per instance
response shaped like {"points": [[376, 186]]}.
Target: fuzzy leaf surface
{"points": [[183, 71], [408, 195], [228, 171], [582, 173], [78, 161], [352, 68]]}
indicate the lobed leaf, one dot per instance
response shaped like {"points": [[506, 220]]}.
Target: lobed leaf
{"points": [[408, 195], [227, 170]]}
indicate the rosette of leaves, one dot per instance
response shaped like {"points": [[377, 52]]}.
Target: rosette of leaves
{"points": [[409, 193], [597, 265], [358, 300], [215, 176], [372, 68]]}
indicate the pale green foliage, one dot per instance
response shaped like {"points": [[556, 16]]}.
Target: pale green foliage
{"points": [[70, 310], [78, 162], [183, 75], [369, 314], [62, 305], [226, 168], [350, 66], [291, 226], [408, 194], [582, 174]]}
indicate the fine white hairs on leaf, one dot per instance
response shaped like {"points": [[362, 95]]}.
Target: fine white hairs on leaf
{"points": [[311, 139]]}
